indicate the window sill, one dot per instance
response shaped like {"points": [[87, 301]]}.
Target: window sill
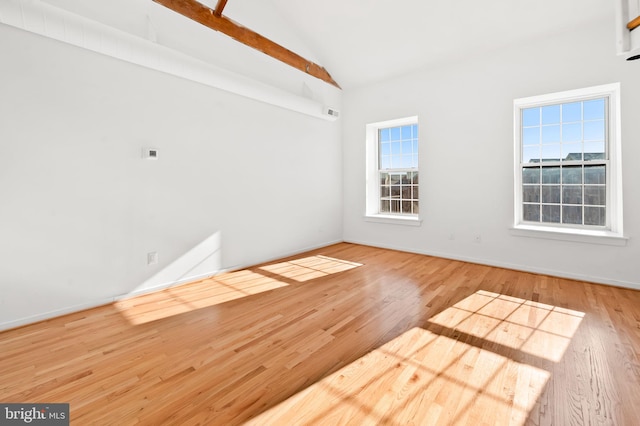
{"points": [[394, 220], [565, 234]]}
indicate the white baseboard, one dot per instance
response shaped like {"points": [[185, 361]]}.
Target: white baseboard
{"points": [[164, 286], [55, 313], [221, 271], [489, 262], [507, 265], [106, 301]]}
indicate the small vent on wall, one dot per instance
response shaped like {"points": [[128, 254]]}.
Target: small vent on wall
{"points": [[150, 153], [331, 112]]}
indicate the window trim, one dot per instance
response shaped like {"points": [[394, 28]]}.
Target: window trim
{"points": [[372, 208], [612, 232]]}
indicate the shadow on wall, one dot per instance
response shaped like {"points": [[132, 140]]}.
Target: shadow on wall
{"points": [[224, 288], [203, 260]]}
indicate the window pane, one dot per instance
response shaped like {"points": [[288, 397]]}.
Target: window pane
{"points": [[384, 178], [532, 175], [531, 117], [531, 194], [415, 146], [572, 194], [406, 192], [551, 152], [407, 147], [385, 162], [395, 191], [594, 109], [385, 148], [594, 130], [589, 156], [572, 112], [395, 148], [385, 135], [531, 154], [550, 134], [406, 132], [407, 161], [531, 136], [551, 194], [416, 207], [572, 175], [572, 132], [384, 191], [551, 175], [551, 114], [531, 212], [415, 194], [414, 161], [414, 130], [396, 162], [572, 214], [550, 214], [594, 175], [406, 207], [395, 206], [385, 206], [594, 216], [395, 133], [594, 151], [572, 151], [414, 177], [594, 195]]}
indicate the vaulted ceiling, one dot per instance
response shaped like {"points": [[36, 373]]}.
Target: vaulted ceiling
{"points": [[359, 41], [363, 41]]}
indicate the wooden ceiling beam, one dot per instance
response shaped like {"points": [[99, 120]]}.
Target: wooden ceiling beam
{"points": [[220, 7], [200, 13]]}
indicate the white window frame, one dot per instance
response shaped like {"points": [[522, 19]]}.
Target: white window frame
{"points": [[612, 232], [372, 212]]}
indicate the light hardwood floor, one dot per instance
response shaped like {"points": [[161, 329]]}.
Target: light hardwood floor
{"points": [[347, 335]]}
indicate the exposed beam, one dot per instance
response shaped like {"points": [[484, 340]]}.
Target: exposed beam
{"points": [[208, 17], [220, 7], [635, 23]]}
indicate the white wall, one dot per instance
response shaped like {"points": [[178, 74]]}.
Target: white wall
{"points": [[466, 161], [237, 181], [155, 37]]}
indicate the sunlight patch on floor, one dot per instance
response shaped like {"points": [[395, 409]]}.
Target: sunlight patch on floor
{"points": [[483, 360], [418, 378], [539, 329], [311, 267], [227, 287]]}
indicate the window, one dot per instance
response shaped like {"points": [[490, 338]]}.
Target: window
{"points": [[567, 161], [392, 169]]}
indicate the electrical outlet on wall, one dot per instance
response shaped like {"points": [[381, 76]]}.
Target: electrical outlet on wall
{"points": [[152, 258]]}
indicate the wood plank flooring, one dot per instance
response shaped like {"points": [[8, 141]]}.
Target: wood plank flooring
{"points": [[344, 335]]}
